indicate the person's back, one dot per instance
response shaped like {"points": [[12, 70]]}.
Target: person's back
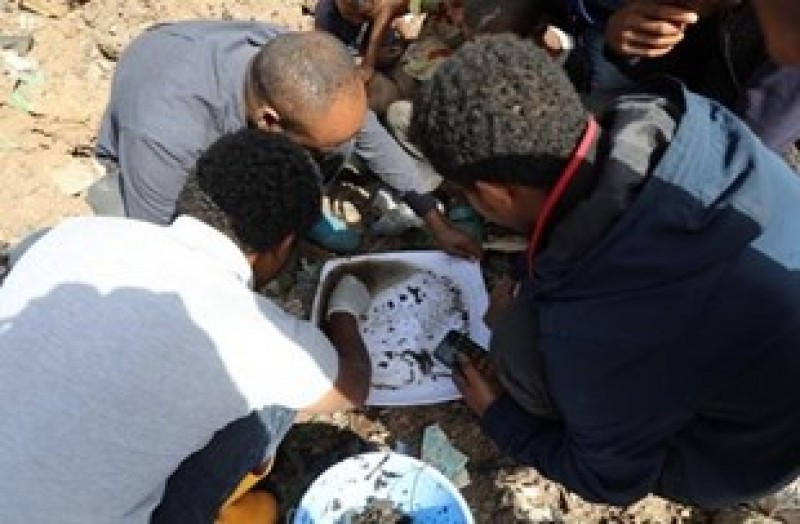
{"points": [[695, 289], [176, 89], [180, 86], [655, 346], [128, 345]]}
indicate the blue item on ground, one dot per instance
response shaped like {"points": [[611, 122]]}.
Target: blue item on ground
{"points": [[333, 234], [413, 487]]}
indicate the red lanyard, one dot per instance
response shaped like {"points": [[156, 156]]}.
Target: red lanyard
{"points": [[575, 161]]}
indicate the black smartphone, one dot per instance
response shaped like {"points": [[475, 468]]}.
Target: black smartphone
{"points": [[456, 342]]}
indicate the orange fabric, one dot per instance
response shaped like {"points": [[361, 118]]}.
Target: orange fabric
{"points": [[245, 506], [255, 507]]}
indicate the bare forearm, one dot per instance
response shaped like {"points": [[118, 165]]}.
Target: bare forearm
{"points": [[355, 371], [380, 29], [435, 220]]}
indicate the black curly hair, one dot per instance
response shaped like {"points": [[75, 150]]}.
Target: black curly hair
{"points": [[498, 110], [255, 188]]}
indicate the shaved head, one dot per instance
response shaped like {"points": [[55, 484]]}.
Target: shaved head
{"points": [[301, 74]]}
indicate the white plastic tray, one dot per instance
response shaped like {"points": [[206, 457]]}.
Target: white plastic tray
{"points": [[396, 382]]}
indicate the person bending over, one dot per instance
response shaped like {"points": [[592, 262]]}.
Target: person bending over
{"points": [[654, 345], [177, 87], [155, 379]]}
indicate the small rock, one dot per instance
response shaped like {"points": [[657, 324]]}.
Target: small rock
{"points": [[741, 516], [20, 44], [75, 176], [49, 8], [538, 515], [110, 49], [16, 65]]}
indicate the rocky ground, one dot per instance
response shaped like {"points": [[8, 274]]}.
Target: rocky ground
{"points": [[54, 81]]}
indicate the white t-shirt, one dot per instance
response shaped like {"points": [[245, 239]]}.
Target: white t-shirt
{"points": [[123, 347]]}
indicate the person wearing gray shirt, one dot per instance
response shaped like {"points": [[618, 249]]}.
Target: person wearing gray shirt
{"points": [[179, 86]]}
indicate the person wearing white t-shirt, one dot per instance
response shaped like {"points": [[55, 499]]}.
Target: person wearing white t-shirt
{"points": [[148, 377]]}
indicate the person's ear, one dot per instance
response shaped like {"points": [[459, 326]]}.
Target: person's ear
{"points": [[268, 119], [284, 249], [268, 264]]}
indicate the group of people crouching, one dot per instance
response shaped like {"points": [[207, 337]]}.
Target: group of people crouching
{"points": [[650, 345]]}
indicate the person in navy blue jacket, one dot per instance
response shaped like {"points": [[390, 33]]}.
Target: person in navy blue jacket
{"points": [[654, 346]]}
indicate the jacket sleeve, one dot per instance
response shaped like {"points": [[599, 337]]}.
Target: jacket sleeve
{"points": [[621, 399], [585, 464], [771, 107], [387, 159]]}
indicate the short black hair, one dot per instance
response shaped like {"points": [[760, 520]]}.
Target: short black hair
{"points": [[255, 188], [524, 18], [300, 73], [499, 109]]}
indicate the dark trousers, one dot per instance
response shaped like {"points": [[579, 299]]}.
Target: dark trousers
{"points": [[201, 484], [514, 348]]}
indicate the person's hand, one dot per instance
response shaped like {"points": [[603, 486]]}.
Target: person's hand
{"points": [[408, 27], [500, 298], [477, 382], [349, 296], [366, 71], [458, 243], [451, 239], [647, 29]]}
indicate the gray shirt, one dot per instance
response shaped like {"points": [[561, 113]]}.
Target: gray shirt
{"points": [[177, 88]]}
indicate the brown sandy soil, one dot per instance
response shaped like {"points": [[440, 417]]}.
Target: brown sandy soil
{"points": [[50, 144]]}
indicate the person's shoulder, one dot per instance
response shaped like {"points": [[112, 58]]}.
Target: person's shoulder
{"points": [[325, 9], [202, 29], [328, 18]]}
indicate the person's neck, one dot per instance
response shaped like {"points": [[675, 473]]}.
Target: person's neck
{"points": [[249, 97]]}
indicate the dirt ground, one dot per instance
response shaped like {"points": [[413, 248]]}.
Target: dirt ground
{"points": [[51, 100]]}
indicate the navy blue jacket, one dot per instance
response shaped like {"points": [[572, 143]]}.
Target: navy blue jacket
{"points": [[591, 12], [672, 347]]}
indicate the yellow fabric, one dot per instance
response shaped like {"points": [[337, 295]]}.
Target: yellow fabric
{"points": [[250, 507], [255, 507]]}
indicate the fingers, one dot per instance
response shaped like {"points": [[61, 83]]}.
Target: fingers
{"points": [[366, 72], [655, 29], [460, 381], [648, 29], [505, 287], [463, 372], [463, 248], [478, 391], [675, 15], [472, 251], [649, 47], [466, 247]]}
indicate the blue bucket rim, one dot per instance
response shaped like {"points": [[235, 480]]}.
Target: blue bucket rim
{"points": [[424, 466]]}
